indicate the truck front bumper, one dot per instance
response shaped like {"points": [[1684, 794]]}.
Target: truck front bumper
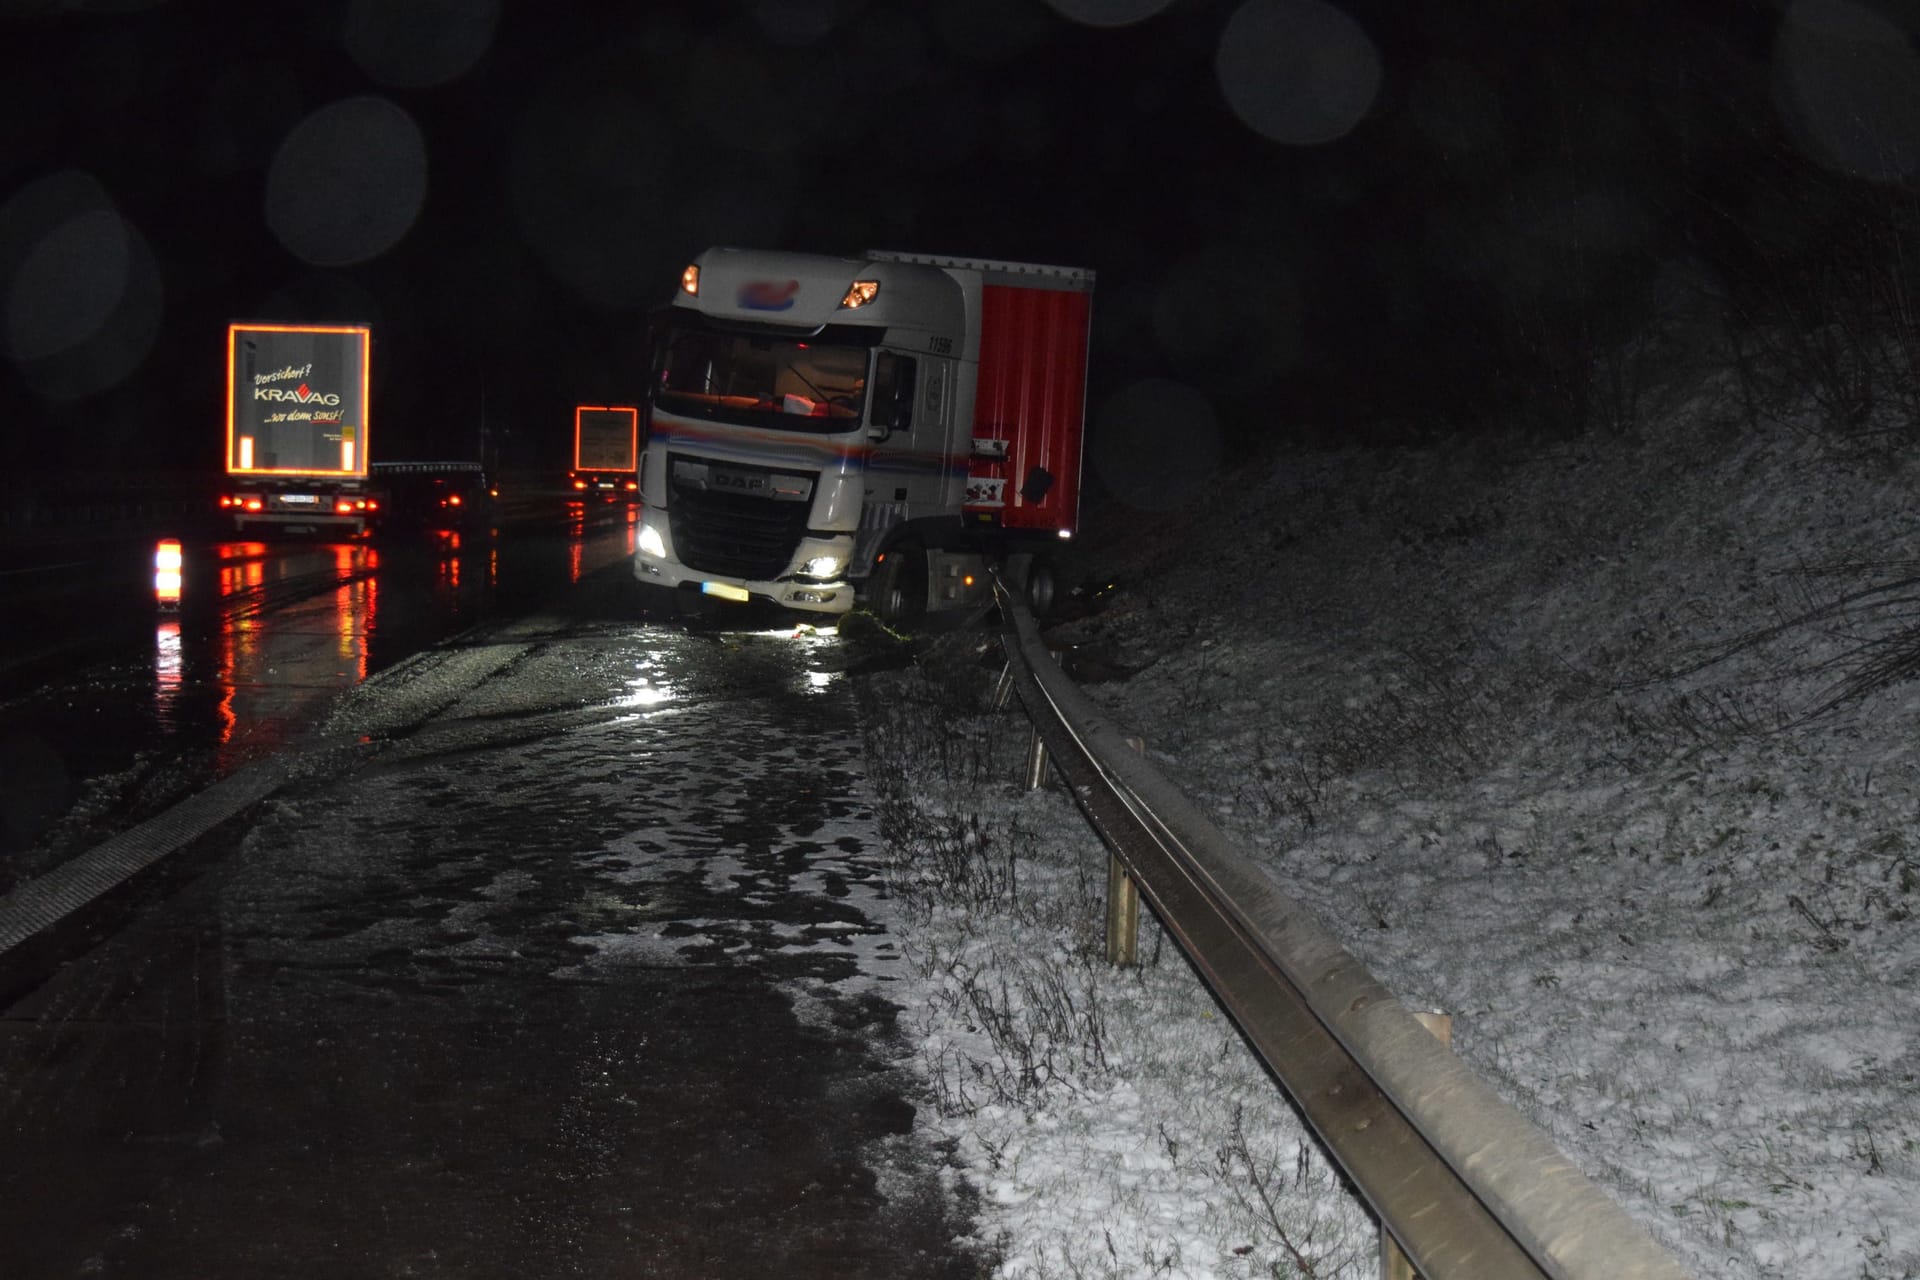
{"points": [[654, 562]]}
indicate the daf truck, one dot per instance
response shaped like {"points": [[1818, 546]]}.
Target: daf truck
{"points": [[606, 449], [297, 398], [881, 429]]}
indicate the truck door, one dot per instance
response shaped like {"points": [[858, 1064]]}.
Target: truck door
{"points": [[909, 404]]}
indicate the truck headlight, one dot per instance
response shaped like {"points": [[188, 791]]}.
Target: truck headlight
{"points": [[651, 543], [822, 567]]}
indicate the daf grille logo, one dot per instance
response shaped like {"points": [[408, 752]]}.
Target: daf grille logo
{"points": [[738, 481]]}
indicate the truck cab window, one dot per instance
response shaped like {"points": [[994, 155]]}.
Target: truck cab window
{"points": [[894, 379], [787, 384]]}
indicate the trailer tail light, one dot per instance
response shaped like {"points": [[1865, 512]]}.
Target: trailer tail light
{"points": [[690, 280], [579, 484], [167, 561], [859, 294], [254, 504], [453, 500], [631, 486]]}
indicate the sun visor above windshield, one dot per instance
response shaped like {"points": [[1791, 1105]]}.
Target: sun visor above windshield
{"points": [[805, 291]]}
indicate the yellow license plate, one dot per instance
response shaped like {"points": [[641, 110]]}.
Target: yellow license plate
{"points": [[726, 592]]}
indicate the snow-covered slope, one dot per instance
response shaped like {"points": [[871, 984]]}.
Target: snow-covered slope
{"points": [[1598, 745]]}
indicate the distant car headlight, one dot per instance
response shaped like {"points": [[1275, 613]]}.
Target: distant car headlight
{"points": [[822, 567], [651, 543]]}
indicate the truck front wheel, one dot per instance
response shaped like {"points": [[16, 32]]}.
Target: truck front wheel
{"points": [[1039, 587], [897, 590], [1033, 576]]}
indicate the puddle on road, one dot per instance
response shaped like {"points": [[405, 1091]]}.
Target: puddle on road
{"points": [[729, 825]]}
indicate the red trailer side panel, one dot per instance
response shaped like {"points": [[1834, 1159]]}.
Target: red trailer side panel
{"points": [[1032, 394]]}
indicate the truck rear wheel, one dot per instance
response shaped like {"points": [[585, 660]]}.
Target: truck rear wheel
{"points": [[897, 591]]}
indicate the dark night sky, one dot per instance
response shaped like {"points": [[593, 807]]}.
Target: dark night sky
{"points": [[1313, 217]]}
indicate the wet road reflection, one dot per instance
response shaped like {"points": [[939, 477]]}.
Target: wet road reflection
{"points": [[585, 971], [122, 696]]}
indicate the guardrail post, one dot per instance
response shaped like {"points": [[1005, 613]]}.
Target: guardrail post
{"points": [[1036, 749], [1393, 1263], [1036, 761], [1123, 915], [1003, 688], [1123, 903]]}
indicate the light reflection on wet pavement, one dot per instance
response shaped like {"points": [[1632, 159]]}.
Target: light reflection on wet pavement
{"points": [[113, 706], [585, 977]]}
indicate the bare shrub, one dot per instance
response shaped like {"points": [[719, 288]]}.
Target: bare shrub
{"points": [[1833, 313], [1268, 1179], [1868, 641]]}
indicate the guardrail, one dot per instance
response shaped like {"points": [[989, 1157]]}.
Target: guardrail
{"points": [[1465, 1185]]}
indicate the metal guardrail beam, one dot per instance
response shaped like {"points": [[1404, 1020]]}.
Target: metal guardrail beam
{"points": [[1468, 1187]]}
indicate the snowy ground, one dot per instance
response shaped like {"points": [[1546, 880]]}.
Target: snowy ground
{"points": [[1599, 745]]}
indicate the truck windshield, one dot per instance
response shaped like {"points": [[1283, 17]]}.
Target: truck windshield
{"points": [[761, 381]]}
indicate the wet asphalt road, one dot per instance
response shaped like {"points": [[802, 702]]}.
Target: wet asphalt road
{"points": [[111, 706], [581, 968]]}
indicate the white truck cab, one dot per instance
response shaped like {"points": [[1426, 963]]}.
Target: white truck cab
{"points": [[823, 429]]}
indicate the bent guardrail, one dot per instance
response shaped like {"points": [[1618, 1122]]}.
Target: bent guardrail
{"points": [[1468, 1187]]}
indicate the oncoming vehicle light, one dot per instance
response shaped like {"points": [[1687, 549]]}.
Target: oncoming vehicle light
{"points": [[690, 280], [859, 294]]}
